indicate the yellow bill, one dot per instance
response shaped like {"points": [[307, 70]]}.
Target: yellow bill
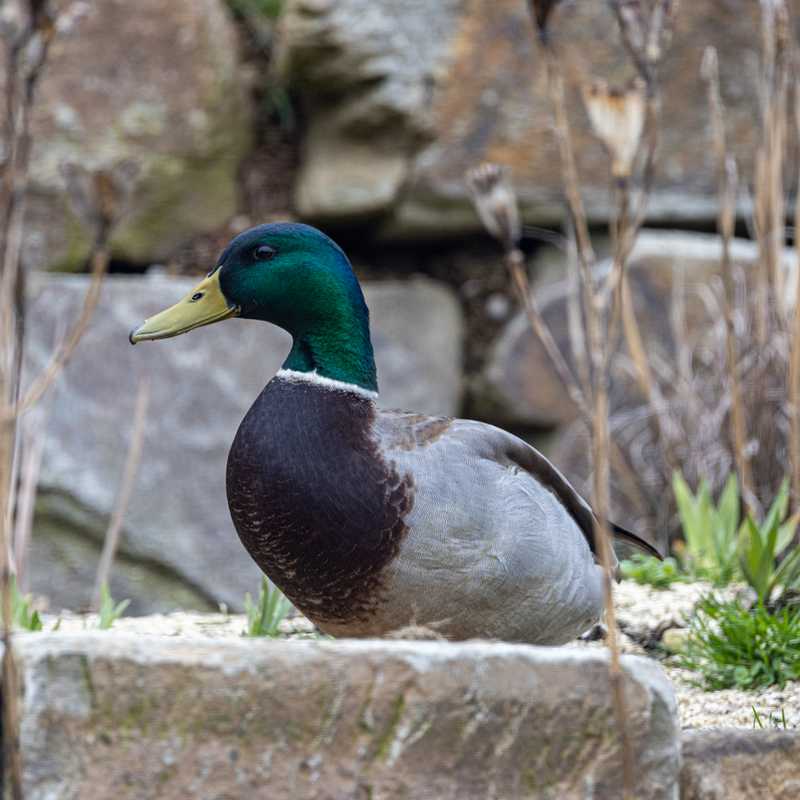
{"points": [[203, 305]]}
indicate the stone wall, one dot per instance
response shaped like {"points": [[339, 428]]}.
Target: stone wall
{"points": [[403, 97]]}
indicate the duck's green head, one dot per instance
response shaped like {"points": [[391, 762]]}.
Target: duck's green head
{"points": [[292, 276]]}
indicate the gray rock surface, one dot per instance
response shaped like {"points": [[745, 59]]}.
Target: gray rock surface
{"points": [[179, 548], [112, 715], [520, 387], [367, 71], [160, 88], [725, 764], [428, 90]]}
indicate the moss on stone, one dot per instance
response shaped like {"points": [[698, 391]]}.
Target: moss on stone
{"points": [[387, 736], [76, 244]]}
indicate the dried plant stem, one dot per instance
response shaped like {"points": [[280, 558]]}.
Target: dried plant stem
{"points": [[26, 48], [769, 192], [114, 530], [794, 352], [583, 245], [579, 226], [794, 388], [44, 380], [515, 263], [600, 349], [31, 449], [577, 336], [12, 759], [727, 189], [555, 86], [598, 392], [600, 346], [625, 232], [601, 497]]}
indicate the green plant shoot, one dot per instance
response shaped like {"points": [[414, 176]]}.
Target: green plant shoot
{"points": [[732, 646], [650, 571], [110, 611], [265, 616], [710, 530], [761, 547], [23, 615], [774, 720]]}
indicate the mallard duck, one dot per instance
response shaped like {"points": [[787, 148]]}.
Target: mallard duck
{"points": [[372, 520]]}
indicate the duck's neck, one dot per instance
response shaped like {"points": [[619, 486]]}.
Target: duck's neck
{"points": [[338, 349]]}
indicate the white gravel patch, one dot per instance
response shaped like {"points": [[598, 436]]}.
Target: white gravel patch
{"points": [[179, 623], [643, 613], [732, 708]]}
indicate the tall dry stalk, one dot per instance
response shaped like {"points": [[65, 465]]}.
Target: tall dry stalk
{"points": [[618, 117], [794, 351], [26, 29], [727, 181], [769, 216], [30, 450], [114, 532]]}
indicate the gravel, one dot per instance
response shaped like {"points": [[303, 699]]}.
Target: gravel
{"points": [[643, 615]]}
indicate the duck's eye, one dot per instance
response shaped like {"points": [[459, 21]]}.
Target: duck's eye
{"points": [[263, 252]]}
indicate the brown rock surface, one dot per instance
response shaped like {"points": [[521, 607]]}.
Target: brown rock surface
{"points": [[159, 87], [444, 86], [726, 764], [112, 715]]}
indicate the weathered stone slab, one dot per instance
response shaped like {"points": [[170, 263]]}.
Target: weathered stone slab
{"points": [[432, 89], [179, 547], [733, 764], [108, 715], [520, 386], [160, 88]]}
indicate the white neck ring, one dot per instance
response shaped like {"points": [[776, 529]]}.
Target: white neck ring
{"points": [[328, 383]]}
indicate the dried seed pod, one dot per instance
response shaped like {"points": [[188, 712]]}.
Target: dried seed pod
{"points": [[617, 116], [495, 202]]}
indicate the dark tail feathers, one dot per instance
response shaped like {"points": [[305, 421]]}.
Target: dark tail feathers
{"points": [[632, 540]]}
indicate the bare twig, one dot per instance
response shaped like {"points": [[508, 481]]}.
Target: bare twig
{"points": [[31, 449], [727, 182], [114, 531], [27, 30], [769, 214], [599, 397], [497, 208], [561, 128], [794, 359], [575, 322], [45, 379], [646, 29]]}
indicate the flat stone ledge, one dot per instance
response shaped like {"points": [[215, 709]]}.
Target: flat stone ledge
{"points": [[115, 715], [734, 764]]}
